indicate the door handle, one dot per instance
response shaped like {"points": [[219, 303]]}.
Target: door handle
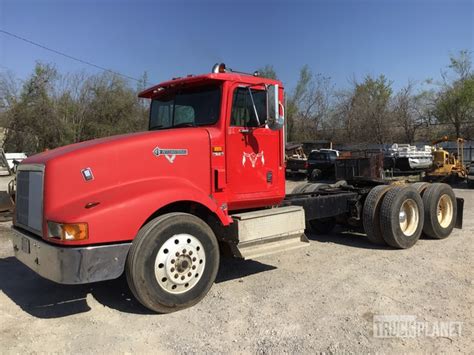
{"points": [[244, 130]]}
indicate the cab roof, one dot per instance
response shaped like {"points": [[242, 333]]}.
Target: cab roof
{"points": [[196, 79]]}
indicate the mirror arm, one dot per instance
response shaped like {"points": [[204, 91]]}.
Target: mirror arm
{"points": [[254, 107], [282, 109]]}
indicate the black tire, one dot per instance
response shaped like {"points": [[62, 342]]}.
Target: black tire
{"points": [[421, 187], [322, 226], [371, 214], [143, 256], [299, 189], [390, 215], [315, 175], [431, 199]]}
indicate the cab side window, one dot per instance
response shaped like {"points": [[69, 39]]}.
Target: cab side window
{"points": [[243, 114]]}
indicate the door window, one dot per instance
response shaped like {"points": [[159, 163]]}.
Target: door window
{"points": [[243, 114]]}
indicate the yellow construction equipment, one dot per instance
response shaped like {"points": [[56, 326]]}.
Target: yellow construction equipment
{"points": [[447, 166]]}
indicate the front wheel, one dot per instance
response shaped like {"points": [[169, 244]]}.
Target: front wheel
{"points": [[173, 262]]}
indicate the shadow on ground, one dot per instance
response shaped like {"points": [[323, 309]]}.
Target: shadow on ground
{"points": [[348, 238], [45, 299]]}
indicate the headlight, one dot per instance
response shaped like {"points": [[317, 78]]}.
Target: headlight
{"points": [[68, 231]]}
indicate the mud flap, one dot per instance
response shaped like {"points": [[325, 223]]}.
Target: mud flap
{"points": [[459, 218]]}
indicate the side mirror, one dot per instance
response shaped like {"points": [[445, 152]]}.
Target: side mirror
{"points": [[274, 120]]}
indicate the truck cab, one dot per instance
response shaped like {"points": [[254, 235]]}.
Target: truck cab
{"points": [[245, 153], [214, 147]]}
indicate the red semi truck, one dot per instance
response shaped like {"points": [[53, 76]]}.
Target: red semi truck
{"points": [[208, 177]]}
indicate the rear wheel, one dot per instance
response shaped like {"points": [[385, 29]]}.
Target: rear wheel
{"points": [[371, 214], [421, 186], [401, 217], [440, 211], [173, 262]]}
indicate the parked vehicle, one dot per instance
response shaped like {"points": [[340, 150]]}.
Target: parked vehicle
{"points": [[330, 151], [321, 164], [208, 177], [446, 166]]}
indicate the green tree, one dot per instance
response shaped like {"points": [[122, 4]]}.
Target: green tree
{"points": [[308, 105], [268, 71], [32, 124], [455, 101], [410, 112], [294, 100], [52, 110], [365, 111], [111, 108]]}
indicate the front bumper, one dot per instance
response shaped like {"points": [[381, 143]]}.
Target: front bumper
{"points": [[70, 265]]}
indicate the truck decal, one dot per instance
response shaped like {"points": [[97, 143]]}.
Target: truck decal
{"points": [[170, 154], [253, 158]]}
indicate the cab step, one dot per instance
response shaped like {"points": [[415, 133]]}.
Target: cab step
{"points": [[270, 231]]}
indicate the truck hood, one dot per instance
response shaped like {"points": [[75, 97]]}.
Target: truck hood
{"points": [[48, 155], [117, 143], [120, 161]]}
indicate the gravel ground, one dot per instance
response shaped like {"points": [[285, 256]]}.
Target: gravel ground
{"points": [[320, 298]]}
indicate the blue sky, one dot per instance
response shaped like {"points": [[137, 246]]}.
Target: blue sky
{"points": [[340, 39]]}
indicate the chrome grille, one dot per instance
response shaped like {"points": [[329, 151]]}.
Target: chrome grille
{"points": [[29, 199]]}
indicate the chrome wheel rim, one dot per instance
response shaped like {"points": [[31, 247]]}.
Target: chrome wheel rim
{"points": [[180, 263], [409, 217], [445, 211]]}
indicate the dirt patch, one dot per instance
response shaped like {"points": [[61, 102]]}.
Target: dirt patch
{"points": [[321, 298]]}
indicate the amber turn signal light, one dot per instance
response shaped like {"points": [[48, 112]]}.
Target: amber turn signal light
{"points": [[68, 231]]}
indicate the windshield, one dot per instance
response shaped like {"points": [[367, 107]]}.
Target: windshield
{"points": [[322, 155], [195, 106]]}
